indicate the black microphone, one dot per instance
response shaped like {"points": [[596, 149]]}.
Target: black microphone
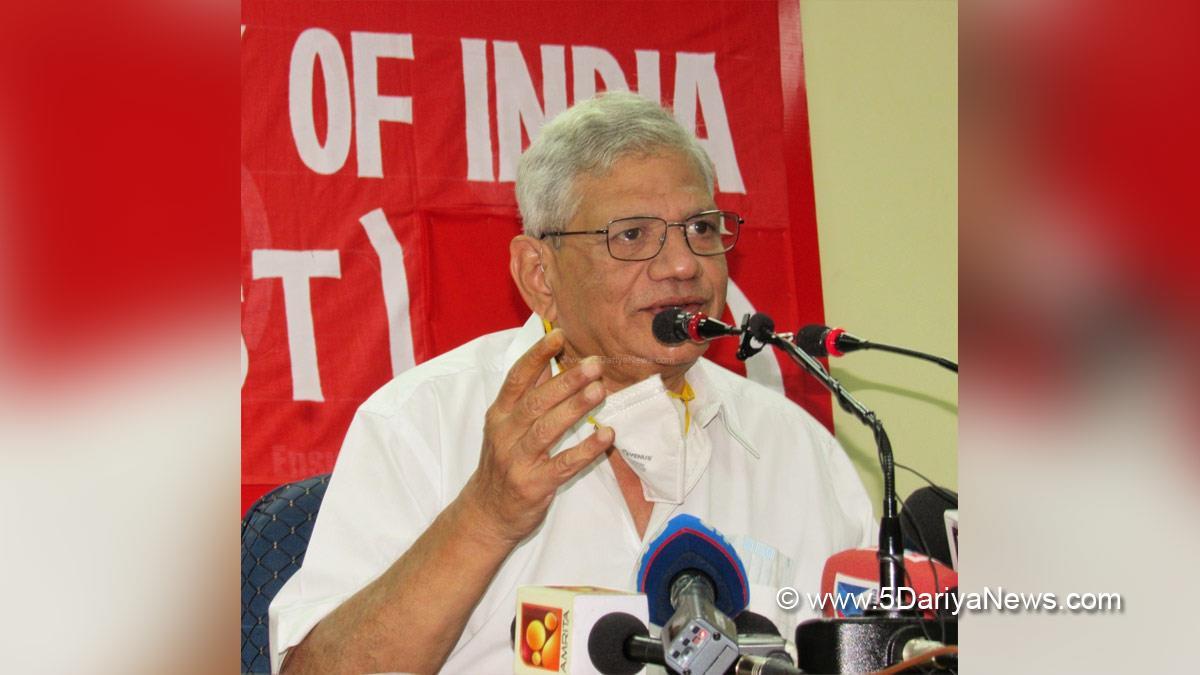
{"points": [[753, 623], [761, 326], [923, 522], [761, 649], [620, 644], [673, 326], [818, 340]]}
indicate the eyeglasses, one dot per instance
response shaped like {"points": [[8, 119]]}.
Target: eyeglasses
{"points": [[643, 237]]}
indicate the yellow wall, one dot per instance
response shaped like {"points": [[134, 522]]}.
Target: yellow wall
{"points": [[882, 79]]}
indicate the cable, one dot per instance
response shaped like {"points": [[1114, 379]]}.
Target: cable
{"points": [[945, 363], [942, 492], [917, 660], [921, 536]]}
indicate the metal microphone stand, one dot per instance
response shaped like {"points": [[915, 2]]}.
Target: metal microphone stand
{"points": [[883, 635], [760, 327]]}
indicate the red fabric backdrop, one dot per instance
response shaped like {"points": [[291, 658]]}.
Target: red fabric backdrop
{"points": [[378, 146]]}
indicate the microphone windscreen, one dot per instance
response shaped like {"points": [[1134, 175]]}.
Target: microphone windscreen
{"points": [[685, 544], [811, 339], [668, 326], [923, 522], [761, 327], [752, 623], [606, 643]]}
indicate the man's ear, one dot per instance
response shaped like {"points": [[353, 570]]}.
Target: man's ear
{"points": [[525, 262]]}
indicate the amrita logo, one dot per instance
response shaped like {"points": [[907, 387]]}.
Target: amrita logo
{"points": [[541, 636]]}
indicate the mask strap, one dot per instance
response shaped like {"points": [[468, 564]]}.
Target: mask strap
{"points": [[547, 327]]}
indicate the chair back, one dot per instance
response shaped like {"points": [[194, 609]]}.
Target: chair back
{"points": [[275, 535]]}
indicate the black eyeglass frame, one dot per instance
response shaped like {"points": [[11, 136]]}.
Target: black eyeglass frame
{"points": [[662, 242]]}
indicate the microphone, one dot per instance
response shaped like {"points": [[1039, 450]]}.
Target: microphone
{"points": [[554, 625], [753, 623], [924, 524], [759, 642], [694, 581], [818, 340], [673, 326], [620, 644]]}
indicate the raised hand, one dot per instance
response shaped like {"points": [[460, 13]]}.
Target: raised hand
{"points": [[517, 478]]}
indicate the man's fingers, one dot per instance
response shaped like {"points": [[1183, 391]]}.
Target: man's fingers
{"points": [[525, 372], [542, 398], [571, 461], [549, 427]]}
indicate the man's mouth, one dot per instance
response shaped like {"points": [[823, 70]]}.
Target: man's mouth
{"points": [[690, 305]]}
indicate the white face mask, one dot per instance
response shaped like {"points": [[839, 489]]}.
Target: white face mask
{"points": [[649, 436]]}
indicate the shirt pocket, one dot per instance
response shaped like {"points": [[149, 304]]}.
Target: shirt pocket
{"points": [[767, 572]]}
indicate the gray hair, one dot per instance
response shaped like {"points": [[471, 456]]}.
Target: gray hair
{"points": [[588, 139]]}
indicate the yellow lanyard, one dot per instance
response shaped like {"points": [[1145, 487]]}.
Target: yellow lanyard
{"points": [[685, 396]]}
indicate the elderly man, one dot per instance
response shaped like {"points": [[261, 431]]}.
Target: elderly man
{"points": [[551, 453]]}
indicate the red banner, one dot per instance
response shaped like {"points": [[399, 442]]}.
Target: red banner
{"points": [[379, 148]]}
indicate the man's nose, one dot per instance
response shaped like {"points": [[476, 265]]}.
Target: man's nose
{"points": [[676, 259]]}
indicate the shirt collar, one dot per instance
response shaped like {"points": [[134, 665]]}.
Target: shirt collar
{"points": [[712, 397], [525, 338], [707, 403]]}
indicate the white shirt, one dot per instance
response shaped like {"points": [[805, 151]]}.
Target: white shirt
{"points": [[778, 486]]}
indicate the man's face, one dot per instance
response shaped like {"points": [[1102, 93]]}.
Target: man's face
{"points": [[606, 306]]}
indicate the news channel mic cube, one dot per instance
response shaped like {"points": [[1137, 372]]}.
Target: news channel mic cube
{"points": [[554, 622]]}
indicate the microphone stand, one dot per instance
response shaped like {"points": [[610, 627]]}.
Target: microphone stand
{"points": [[760, 327], [882, 636]]}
